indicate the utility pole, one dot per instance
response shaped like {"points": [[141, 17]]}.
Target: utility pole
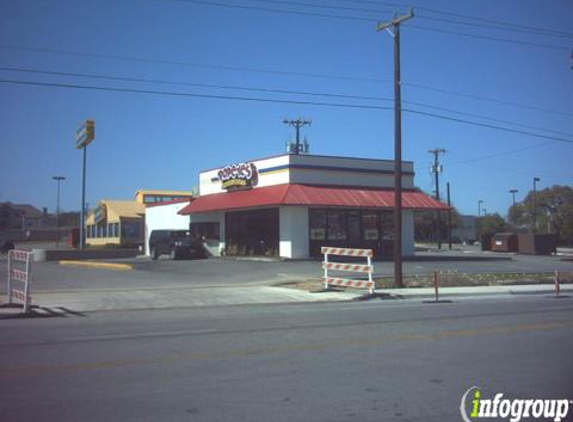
{"points": [[449, 217], [58, 179], [297, 124], [512, 209], [395, 32], [437, 169], [535, 180]]}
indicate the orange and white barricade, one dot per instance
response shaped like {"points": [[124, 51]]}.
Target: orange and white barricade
{"points": [[348, 267], [23, 275]]}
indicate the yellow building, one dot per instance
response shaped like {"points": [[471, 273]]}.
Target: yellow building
{"points": [[147, 197], [122, 223]]}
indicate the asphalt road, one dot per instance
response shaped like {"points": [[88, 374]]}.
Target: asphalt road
{"points": [[231, 272], [373, 361]]}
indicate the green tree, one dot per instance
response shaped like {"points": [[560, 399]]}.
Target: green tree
{"points": [[425, 223], [490, 224], [554, 212]]}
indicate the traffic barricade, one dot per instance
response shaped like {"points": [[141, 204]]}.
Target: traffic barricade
{"points": [[20, 275], [348, 267]]}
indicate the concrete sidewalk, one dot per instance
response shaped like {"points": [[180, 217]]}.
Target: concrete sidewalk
{"points": [[75, 302]]}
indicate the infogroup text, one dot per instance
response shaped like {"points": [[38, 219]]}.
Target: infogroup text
{"points": [[514, 409]]}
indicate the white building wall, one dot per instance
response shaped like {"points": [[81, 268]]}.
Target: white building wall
{"points": [[164, 217], [408, 248], [209, 182], [293, 232]]}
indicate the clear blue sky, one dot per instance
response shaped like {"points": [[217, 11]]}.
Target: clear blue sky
{"points": [[158, 141]]}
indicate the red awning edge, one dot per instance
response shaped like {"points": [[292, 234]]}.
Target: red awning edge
{"points": [[311, 196]]}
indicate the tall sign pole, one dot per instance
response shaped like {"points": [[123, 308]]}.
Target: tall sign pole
{"points": [[84, 136], [58, 179], [395, 32]]}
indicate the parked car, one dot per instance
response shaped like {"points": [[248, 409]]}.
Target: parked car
{"points": [[175, 243], [8, 245]]}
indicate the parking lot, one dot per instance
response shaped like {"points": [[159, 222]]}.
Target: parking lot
{"points": [[220, 272]]}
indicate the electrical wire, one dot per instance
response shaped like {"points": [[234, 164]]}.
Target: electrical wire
{"points": [[482, 98], [488, 38], [363, 19], [273, 91], [193, 95], [275, 72], [283, 101], [534, 30], [194, 84], [487, 125], [191, 64]]}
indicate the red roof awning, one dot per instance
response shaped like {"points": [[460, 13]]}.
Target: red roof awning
{"points": [[314, 196]]}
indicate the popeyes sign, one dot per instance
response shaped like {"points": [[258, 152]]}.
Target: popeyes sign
{"points": [[238, 176]]}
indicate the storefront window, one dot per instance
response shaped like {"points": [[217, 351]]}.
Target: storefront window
{"points": [[353, 226], [387, 225], [336, 225], [317, 225], [205, 230], [370, 226], [130, 229]]}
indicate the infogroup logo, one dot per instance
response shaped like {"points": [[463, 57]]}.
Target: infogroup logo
{"points": [[514, 409]]}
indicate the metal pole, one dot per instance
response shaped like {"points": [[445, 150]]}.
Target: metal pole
{"points": [[449, 217], [58, 179], [535, 180], [83, 206]]}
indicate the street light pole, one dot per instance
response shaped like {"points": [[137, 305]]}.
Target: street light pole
{"points": [[513, 192], [58, 179]]}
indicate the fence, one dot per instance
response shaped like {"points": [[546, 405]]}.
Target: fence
{"points": [[23, 259], [348, 267]]}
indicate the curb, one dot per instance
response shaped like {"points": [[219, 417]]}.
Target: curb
{"points": [[102, 265]]}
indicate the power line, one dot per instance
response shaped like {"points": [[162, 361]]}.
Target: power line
{"points": [[498, 28], [501, 154], [273, 91], [488, 38], [282, 101], [275, 72], [271, 10], [486, 125], [363, 19], [189, 64], [194, 84], [482, 98], [194, 95], [492, 119], [536, 30]]}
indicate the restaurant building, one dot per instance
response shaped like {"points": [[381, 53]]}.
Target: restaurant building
{"points": [[122, 223], [290, 205]]}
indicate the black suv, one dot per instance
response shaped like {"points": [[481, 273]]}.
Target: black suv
{"points": [[175, 243]]}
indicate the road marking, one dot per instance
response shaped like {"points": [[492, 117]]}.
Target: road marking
{"points": [[104, 265], [137, 335], [11, 370]]}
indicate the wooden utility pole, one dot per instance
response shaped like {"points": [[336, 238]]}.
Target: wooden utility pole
{"points": [[297, 124], [393, 27], [436, 169]]}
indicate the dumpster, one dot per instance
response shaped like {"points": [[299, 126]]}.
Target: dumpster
{"points": [[537, 244], [504, 242], [485, 240]]}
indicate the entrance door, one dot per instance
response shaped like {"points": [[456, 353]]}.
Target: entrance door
{"points": [[254, 232]]}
